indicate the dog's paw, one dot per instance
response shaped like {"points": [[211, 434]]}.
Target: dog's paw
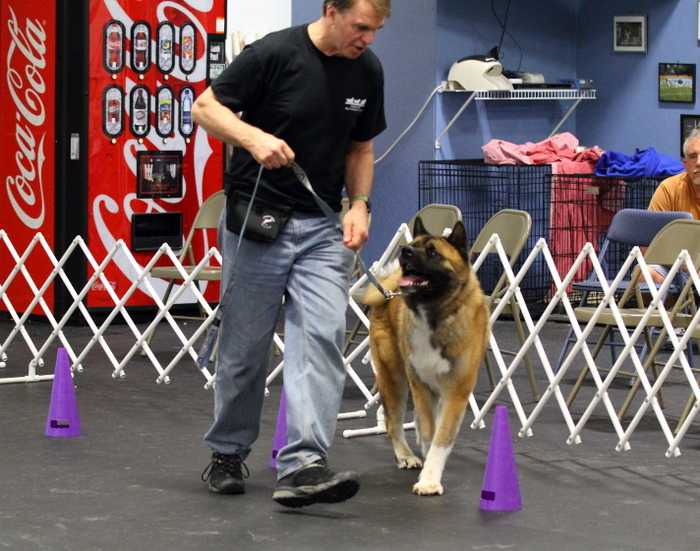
{"points": [[427, 488], [411, 462]]}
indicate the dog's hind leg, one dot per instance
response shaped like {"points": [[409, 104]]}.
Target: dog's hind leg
{"points": [[425, 403], [393, 389]]}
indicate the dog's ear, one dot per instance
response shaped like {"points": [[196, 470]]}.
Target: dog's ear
{"points": [[458, 239], [418, 228]]}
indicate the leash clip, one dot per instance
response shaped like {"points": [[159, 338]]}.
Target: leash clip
{"points": [[391, 294]]}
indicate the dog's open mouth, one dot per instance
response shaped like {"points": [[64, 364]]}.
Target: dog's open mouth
{"points": [[412, 281]]}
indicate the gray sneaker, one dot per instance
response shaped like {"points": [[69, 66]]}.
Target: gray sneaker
{"points": [[225, 474], [315, 484]]}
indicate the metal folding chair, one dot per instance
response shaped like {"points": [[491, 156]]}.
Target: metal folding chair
{"points": [[513, 229], [628, 228], [207, 218], [678, 235]]}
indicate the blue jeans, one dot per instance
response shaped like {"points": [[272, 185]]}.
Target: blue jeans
{"points": [[678, 280], [308, 266]]}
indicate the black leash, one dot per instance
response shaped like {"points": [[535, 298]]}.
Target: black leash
{"points": [[304, 179], [213, 330]]}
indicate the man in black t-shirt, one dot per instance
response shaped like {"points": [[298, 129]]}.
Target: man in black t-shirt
{"points": [[312, 95]]}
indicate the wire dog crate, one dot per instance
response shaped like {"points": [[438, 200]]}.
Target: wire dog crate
{"points": [[480, 190], [583, 206], [566, 209]]}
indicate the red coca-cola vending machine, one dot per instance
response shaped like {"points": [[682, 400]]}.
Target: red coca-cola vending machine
{"points": [[27, 117], [97, 107]]}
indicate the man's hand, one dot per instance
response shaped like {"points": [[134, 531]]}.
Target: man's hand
{"points": [[221, 123], [266, 149], [356, 226]]}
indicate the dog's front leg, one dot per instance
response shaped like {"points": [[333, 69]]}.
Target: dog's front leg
{"points": [[448, 424], [429, 480]]}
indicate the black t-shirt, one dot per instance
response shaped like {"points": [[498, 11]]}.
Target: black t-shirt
{"points": [[285, 86]]}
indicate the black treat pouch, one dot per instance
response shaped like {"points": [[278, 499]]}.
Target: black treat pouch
{"points": [[266, 219]]}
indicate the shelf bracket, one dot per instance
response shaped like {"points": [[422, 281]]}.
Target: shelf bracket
{"points": [[522, 94], [466, 103], [566, 116]]}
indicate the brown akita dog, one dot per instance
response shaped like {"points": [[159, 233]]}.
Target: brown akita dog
{"points": [[432, 337]]}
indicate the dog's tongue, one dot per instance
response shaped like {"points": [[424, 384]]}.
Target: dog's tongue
{"points": [[410, 280]]}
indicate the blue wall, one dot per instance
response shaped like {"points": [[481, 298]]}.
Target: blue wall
{"points": [[419, 43], [627, 114], [558, 38], [534, 43], [406, 47]]}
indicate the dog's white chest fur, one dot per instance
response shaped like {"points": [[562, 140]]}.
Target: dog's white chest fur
{"points": [[426, 360]]}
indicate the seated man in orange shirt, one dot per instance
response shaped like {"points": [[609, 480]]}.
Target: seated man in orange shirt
{"points": [[680, 193]]}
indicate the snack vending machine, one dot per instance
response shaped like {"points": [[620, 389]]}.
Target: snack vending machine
{"points": [[128, 162]]}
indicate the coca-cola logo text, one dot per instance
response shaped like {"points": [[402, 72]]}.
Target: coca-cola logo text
{"points": [[99, 286], [25, 60]]}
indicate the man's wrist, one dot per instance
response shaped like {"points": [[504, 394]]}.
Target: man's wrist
{"points": [[362, 198]]}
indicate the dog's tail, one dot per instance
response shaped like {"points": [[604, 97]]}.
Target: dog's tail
{"points": [[389, 280]]}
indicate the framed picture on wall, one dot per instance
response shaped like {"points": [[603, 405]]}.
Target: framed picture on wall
{"points": [[688, 124], [677, 82], [630, 33]]}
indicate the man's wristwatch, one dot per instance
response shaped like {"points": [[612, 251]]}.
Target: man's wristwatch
{"points": [[362, 198]]}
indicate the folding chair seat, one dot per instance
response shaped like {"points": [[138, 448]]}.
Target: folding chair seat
{"points": [[678, 235], [628, 228], [513, 228], [207, 218]]}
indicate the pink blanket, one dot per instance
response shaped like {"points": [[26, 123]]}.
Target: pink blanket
{"points": [[557, 148], [576, 216], [560, 149]]}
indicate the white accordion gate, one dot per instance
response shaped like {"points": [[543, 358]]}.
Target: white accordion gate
{"points": [[532, 344]]}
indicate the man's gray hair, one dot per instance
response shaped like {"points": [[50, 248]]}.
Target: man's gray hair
{"points": [[382, 7], [693, 136]]}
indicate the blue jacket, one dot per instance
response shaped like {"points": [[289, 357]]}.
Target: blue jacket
{"points": [[647, 162]]}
